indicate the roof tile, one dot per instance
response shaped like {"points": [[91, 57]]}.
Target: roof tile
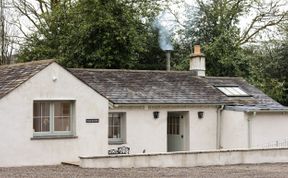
{"points": [[162, 87], [12, 76]]}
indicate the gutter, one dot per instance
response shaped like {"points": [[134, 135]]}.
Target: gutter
{"points": [[219, 127], [247, 110], [274, 111], [111, 105], [164, 104]]}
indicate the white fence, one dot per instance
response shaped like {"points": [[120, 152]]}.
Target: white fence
{"points": [[275, 144]]}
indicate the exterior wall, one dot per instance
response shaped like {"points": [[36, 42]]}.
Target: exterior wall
{"points": [[234, 128], [267, 128], [203, 131], [143, 132], [149, 134], [16, 121], [188, 159]]}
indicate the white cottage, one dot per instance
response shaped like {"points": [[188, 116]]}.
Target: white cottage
{"points": [[49, 114]]}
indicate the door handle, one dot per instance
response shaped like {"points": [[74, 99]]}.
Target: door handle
{"points": [[182, 136]]}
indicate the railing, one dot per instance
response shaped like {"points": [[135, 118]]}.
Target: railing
{"points": [[275, 144]]}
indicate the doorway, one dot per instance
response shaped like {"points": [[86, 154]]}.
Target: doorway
{"points": [[177, 131]]}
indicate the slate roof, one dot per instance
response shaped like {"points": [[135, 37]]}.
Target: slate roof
{"points": [[12, 76], [263, 102], [149, 87], [161, 87]]}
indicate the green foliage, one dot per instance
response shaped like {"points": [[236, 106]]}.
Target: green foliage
{"points": [[214, 26], [153, 58], [95, 34], [119, 34], [269, 69]]}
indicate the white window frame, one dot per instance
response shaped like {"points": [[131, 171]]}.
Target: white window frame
{"points": [[122, 138], [52, 131]]}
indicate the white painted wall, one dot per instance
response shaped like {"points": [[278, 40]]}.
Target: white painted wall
{"points": [[16, 121], [268, 127], [145, 132], [188, 159], [265, 128], [234, 130], [203, 131]]}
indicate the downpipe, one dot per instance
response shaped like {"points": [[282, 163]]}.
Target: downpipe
{"points": [[219, 127], [249, 119]]}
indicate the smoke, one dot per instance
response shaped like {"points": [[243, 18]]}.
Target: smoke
{"points": [[161, 25]]}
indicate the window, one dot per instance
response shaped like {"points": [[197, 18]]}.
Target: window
{"points": [[116, 130], [232, 91], [52, 118], [173, 125]]}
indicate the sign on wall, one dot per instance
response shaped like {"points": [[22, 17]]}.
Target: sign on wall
{"points": [[92, 120]]}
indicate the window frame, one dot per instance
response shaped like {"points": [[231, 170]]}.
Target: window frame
{"points": [[52, 132], [122, 138]]}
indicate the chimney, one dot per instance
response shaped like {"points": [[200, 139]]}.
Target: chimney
{"points": [[197, 62], [168, 59]]}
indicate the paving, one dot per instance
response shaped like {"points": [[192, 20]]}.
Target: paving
{"points": [[65, 171]]}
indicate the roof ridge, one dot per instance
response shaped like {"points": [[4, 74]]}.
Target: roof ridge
{"points": [[226, 77], [28, 63], [129, 70]]}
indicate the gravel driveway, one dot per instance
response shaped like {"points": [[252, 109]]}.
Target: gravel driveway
{"points": [[61, 171]]}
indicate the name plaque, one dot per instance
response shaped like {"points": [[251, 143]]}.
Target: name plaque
{"points": [[92, 120]]}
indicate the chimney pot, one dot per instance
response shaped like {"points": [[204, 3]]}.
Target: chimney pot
{"points": [[197, 62], [197, 50]]}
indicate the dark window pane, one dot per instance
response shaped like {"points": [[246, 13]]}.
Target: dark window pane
{"points": [[36, 109], [62, 123], [116, 121], [37, 124], [116, 132], [114, 129], [110, 132], [41, 119], [45, 124], [66, 109], [45, 109], [62, 116]]}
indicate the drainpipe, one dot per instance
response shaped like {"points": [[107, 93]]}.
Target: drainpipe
{"points": [[250, 116], [219, 128]]}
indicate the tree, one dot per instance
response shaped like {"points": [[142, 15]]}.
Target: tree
{"points": [[215, 24], [7, 32], [232, 50], [91, 33], [269, 68]]}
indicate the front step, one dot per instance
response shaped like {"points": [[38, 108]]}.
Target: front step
{"points": [[71, 163]]}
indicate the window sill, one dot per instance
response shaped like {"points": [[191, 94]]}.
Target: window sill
{"points": [[116, 142], [52, 137]]}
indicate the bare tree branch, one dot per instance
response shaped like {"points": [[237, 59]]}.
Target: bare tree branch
{"points": [[267, 15]]}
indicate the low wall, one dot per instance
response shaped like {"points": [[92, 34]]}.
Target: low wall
{"points": [[188, 159]]}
